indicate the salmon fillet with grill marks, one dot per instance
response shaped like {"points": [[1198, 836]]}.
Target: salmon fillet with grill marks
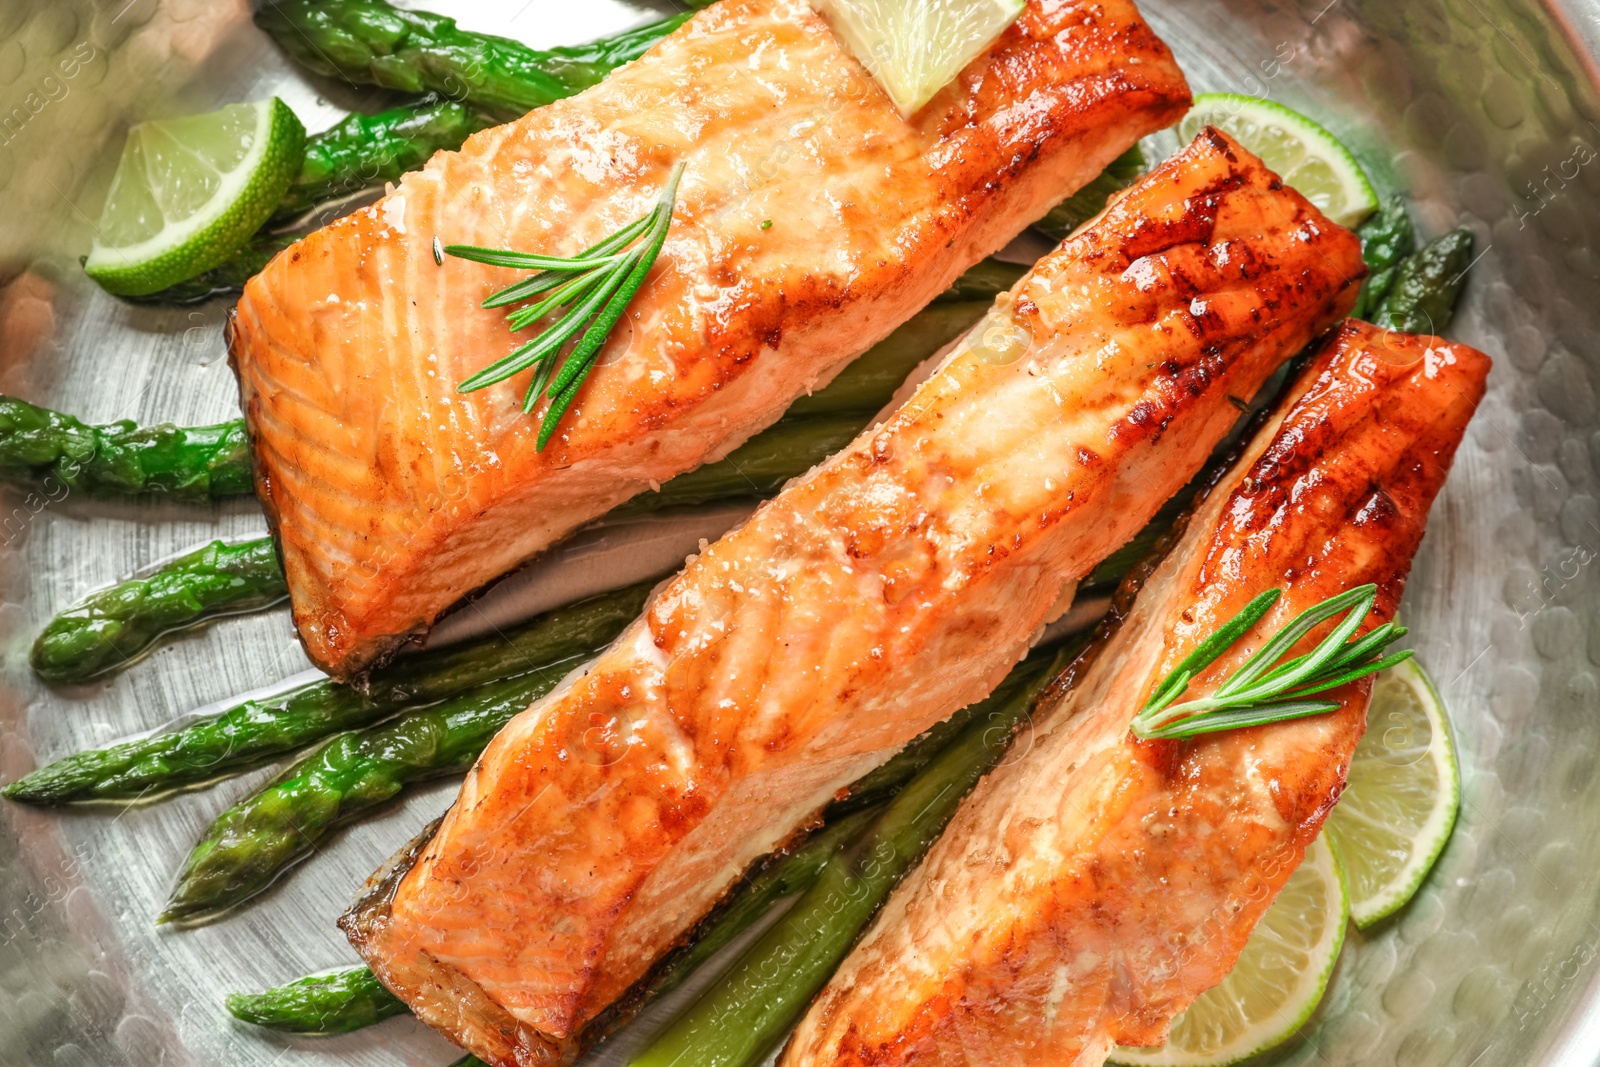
{"points": [[1088, 891], [812, 220], [894, 584]]}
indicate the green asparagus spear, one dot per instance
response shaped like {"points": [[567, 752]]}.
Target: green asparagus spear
{"points": [[333, 1003], [1089, 201], [364, 151], [372, 42], [348, 1000], [1386, 239], [1427, 285], [256, 840], [748, 1009], [61, 455], [256, 731], [111, 628]]}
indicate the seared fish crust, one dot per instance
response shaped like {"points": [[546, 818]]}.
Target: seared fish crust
{"points": [[1091, 888], [892, 585], [812, 220]]}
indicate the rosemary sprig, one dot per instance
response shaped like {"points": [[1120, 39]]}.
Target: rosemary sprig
{"points": [[595, 287], [1263, 690]]}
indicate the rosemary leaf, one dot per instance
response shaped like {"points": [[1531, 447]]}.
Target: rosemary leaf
{"points": [[511, 294], [595, 286], [546, 344], [581, 361], [1208, 650], [1352, 653], [540, 379], [1290, 635], [1361, 671], [1261, 715], [520, 359], [542, 282], [614, 292], [504, 257], [563, 294], [607, 319], [558, 408], [1263, 690]]}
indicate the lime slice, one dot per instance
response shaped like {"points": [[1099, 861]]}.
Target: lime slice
{"points": [[1302, 153], [190, 192], [1276, 983], [914, 48], [1401, 802]]}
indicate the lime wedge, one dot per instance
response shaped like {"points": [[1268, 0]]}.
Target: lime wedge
{"points": [[189, 192], [1403, 794], [914, 48], [1276, 983], [1303, 154]]}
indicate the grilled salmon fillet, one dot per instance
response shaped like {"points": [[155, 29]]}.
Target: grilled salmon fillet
{"points": [[1088, 891], [890, 586], [812, 220]]}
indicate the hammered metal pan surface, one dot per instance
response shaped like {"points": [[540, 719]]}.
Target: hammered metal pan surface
{"points": [[1484, 110]]}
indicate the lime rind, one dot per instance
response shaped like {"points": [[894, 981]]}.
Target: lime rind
{"points": [[1319, 879], [1389, 758], [1302, 152], [172, 214], [914, 48]]}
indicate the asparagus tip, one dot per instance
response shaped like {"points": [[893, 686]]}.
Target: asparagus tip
{"points": [[184, 916], [241, 1006], [179, 912], [52, 786], [31, 789]]}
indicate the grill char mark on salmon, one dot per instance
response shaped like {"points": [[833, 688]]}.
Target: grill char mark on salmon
{"points": [[895, 583], [1089, 890], [811, 221]]}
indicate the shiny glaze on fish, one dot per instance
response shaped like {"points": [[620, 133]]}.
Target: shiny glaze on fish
{"points": [[892, 585], [1092, 887], [811, 221]]}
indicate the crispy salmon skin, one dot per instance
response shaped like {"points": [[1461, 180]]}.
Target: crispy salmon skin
{"points": [[1089, 890], [894, 584], [812, 219]]}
